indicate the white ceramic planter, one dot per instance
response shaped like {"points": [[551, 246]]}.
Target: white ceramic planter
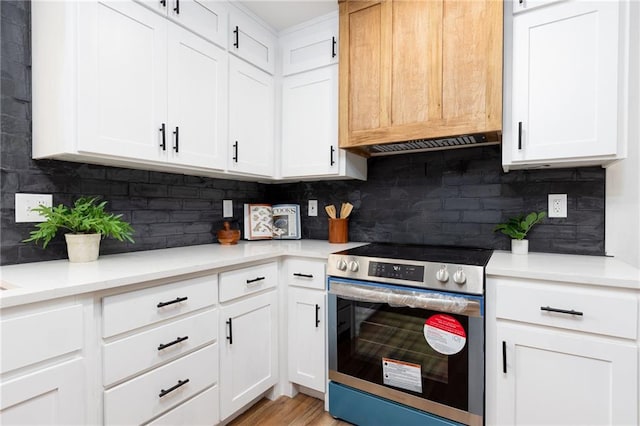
{"points": [[82, 247], [519, 246]]}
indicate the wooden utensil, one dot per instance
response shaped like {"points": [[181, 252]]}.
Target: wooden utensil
{"points": [[345, 210], [331, 210]]}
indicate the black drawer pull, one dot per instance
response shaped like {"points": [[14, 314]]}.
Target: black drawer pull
{"points": [[255, 279], [236, 44], [235, 152], [171, 302], [175, 342], [331, 160], [176, 146], [163, 145], [174, 387], [177, 8], [520, 135], [561, 311], [230, 336], [163, 3], [298, 274], [333, 47], [317, 318], [504, 357]]}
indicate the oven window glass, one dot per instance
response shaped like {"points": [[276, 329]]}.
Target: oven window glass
{"points": [[369, 332]]}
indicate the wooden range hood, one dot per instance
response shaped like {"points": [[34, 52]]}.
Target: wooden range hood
{"points": [[419, 75]]}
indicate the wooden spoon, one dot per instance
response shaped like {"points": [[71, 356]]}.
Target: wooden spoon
{"points": [[345, 210], [331, 211]]}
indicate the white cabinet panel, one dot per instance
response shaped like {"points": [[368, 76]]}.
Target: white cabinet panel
{"points": [[311, 47], [557, 378], [252, 279], [306, 337], [203, 410], [52, 396], [251, 119], [122, 79], [306, 273], [252, 42], [197, 128], [249, 354]]}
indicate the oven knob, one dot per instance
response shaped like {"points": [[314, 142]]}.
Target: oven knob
{"points": [[459, 277], [341, 265], [353, 266], [442, 275]]}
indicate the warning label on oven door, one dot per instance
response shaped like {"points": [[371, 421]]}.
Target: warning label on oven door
{"points": [[445, 334], [402, 375]]}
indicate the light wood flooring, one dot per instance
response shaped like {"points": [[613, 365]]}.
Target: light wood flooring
{"points": [[302, 410]]}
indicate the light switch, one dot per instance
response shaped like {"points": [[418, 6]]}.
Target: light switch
{"points": [[227, 208]]}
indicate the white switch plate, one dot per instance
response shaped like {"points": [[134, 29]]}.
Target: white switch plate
{"points": [[313, 207], [24, 204], [557, 205], [227, 208]]}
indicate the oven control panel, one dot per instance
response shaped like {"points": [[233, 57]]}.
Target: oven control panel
{"points": [[396, 271]]}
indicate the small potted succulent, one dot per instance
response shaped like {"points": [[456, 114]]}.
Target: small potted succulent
{"points": [[86, 222], [517, 228]]}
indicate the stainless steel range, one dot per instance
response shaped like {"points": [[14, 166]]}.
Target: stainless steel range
{"points": [[406, 334]]}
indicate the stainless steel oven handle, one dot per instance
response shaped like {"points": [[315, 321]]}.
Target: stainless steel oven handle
{"points": [[436, 301]]}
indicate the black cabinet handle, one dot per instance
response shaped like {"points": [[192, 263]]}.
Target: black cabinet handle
{"points": [[255, 279], [235, 152], [177, 8], [561, 311], [504, 357], [230, 336], [317, 316], [164, 137], [331, 155], [171, 302], [174, 387], [333, 47], [298, 274], [236, 44], [520, 135], [175, 342], [176, 132], [163, 3]]}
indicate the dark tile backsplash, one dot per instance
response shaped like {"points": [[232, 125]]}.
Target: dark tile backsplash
{"points": [[445, 197]]}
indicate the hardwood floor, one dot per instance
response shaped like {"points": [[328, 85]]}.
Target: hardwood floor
{"points": [[302, 410]]}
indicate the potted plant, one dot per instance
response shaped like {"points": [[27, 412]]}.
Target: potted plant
{"points": [[86, 222], [517, 228]]}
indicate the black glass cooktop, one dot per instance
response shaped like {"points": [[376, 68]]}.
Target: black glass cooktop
{"points": [[423, 253]]}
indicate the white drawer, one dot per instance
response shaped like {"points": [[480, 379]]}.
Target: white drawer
{"points": [[603, 312], [234, 284], [128, 311], [306, 273], [138, 400], [38, 336], [126, 357], [203, 409]]}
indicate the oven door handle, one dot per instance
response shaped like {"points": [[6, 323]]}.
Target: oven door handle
{"points": [[469, 306]]}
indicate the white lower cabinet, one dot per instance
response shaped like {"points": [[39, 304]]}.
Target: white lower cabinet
{"points": [[249, 352], [561, 354], [306, 334]]}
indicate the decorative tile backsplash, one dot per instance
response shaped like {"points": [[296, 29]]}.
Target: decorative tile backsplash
{"points": [[444, 197]]}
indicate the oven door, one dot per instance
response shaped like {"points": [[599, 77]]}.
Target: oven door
{"points": [[418, 347]]}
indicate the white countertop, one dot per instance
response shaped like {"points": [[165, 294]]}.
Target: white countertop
{"points": [[595, 270], [33, 282]]}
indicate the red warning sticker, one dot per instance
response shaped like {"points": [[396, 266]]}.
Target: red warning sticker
{"points": [[445, 334]]}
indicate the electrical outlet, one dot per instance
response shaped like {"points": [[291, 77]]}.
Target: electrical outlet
{"points": [[227, 208], [26, 202], [313, 207], [557, 205]]}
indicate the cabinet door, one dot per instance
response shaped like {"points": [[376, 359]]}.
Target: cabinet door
{"points": [[312, 47], [197, 101], [52, 396], [309, 123], [306, 335], [207, 18], [414, 70], [122, 80], [565, 62], [251, 42], [564, 378], [249, 354], [251, 118]]}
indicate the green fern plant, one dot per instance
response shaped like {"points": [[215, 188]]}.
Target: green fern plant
{"points": [[87, 216], [518, 227]]}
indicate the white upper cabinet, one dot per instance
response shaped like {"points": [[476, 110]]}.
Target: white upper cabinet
{"points": [[565, 84], [311, 47], [208, 18], [251, 41], [251, 119], [197, 100]]}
